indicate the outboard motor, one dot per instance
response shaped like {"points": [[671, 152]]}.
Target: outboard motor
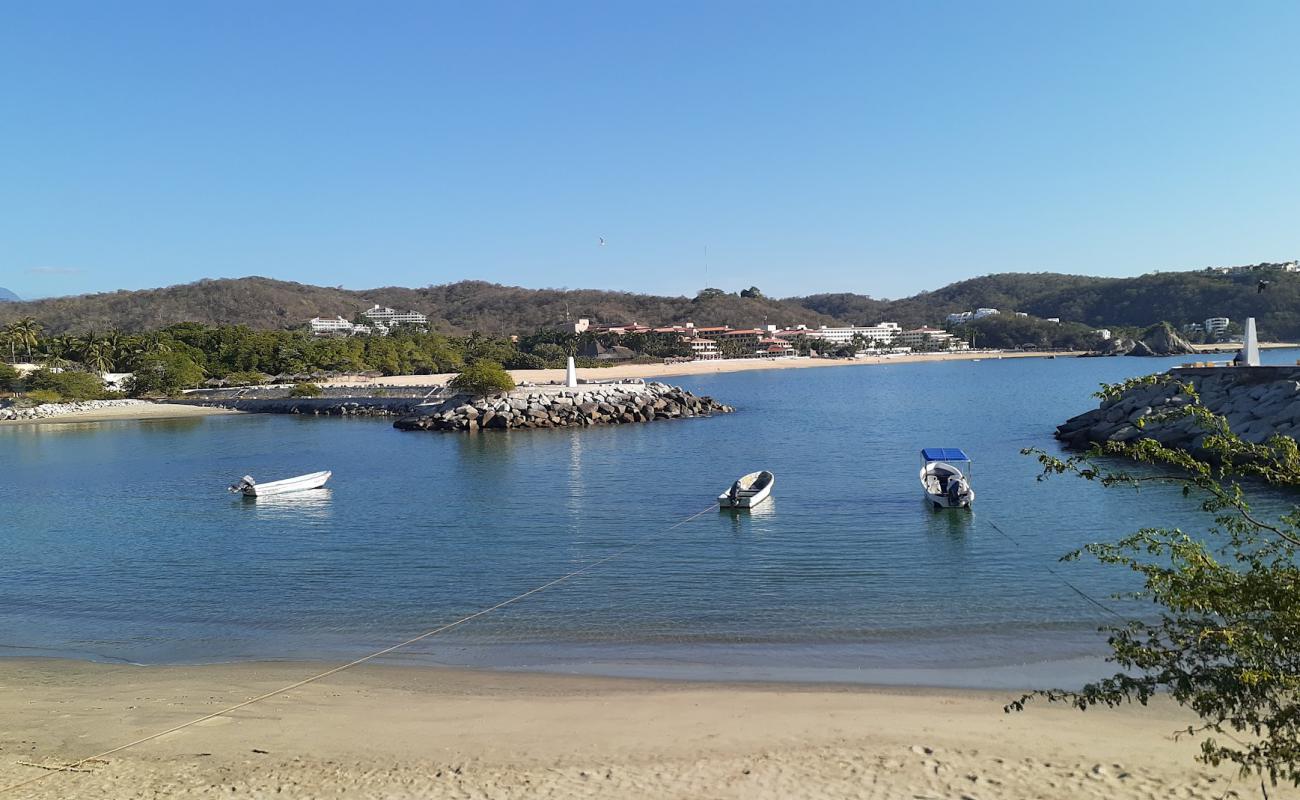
{"points": [[956, 488]]}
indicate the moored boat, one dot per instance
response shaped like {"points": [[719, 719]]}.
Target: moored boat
{"points": [[748, 491], [251, 488], [944, 483]]}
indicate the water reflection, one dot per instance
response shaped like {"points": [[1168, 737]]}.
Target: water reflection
{"points": [[307, 504], [759, 519]]}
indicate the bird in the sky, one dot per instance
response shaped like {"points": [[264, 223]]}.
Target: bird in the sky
{"points": [[602, 241], [1261, 286]]}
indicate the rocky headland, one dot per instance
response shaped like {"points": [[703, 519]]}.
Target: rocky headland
{"points": [[560, 407], [1257, 402], [1158, 340]]}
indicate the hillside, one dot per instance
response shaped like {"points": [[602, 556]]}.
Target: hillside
{"points": [[7, 296], [452, 308], [458, 308]]}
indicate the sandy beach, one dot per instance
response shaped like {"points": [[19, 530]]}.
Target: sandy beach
{"points": [[404, 732], [623, 371], [132, 412]]}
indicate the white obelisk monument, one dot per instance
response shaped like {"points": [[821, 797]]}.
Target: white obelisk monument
{"points": [[1250, 345], [571, 372]]}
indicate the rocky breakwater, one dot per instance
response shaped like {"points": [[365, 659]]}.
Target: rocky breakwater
{"points": [[550, 407], [1257, 403], [47, 410]]}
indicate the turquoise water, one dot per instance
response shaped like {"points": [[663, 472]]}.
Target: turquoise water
{"points": [[120, 542]]}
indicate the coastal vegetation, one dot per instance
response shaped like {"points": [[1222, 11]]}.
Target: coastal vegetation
{"points": [[1224, 640], [483, 378], [305, 390], [457, 309]]}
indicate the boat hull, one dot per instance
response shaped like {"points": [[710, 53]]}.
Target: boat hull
{"points": [[299, 484], [935, 480], [748, 498]]}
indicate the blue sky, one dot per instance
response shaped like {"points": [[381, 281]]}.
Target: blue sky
{"points": [[806, 147]]}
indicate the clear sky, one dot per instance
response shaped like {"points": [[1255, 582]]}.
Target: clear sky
{"points": [[806, 147]]}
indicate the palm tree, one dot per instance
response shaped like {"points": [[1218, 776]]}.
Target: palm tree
{"points": [[10, 336], [99, 356], [28, 331]]}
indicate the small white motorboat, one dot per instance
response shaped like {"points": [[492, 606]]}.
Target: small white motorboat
{"points": [[251, 488], [748, 491], [945, 485]]}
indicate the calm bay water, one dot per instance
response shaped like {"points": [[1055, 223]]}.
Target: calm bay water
{"points": [[119, 541]]}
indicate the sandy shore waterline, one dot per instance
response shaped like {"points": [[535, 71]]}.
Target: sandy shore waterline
{"points": [[132, 412], [381, 731]]}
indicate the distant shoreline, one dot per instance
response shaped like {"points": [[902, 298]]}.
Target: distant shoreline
{"points": [[694, 368]]}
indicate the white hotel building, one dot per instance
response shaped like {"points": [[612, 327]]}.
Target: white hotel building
{"points": [[388, 317], [883, 333]]}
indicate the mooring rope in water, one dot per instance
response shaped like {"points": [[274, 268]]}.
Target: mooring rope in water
{"points": [[75, 765], [1062, 578]]}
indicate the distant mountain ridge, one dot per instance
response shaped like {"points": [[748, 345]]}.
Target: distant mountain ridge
{"points": [[7, 296], [465, 306]]}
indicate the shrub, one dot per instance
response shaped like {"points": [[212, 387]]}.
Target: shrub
{"points": [[483, 378], [305, 390], [67, 385], [9, 381], [41, 396]]}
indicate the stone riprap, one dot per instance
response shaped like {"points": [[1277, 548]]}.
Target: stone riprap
{"points": [[47, 410], [315, 406], [1257, 402], [560, 407]]}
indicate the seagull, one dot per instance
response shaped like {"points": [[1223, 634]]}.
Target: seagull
{"points": [[602, 241], [1261, 286]]}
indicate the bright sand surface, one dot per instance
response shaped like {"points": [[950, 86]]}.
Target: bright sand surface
{"points": [[622, 371], [428, 732], [143, 411]]}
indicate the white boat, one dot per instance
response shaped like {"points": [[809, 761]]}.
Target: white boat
{"points": [[748, 491], [251, 488], [945, 485]]}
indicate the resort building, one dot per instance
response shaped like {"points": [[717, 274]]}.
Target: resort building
{"points": [[704, 349], [963, 317], [931, 339], [388, 317], [884, 333], [776, 347], [1215, 326], [1103, 333], [335, 327]]}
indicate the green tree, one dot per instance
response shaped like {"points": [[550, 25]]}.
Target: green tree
{"points": [[483, 378], [164, 374], [27, 332], [1225, 637], [9, 381], [68, 385], [753, 292]]}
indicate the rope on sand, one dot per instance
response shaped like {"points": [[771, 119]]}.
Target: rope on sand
{"points": [[75, 766]]}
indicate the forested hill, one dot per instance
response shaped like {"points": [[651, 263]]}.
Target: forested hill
{"points": [[1176, 297], [452, 308]]}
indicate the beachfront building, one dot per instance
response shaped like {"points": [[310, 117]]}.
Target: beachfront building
{"points": [[883, 333], [388, 317], [704, 349], [776, 347], [931, 340], [1103, 333]]}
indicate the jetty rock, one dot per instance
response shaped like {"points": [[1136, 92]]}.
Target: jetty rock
{"points": [[49, 410], [1257, 402], [562, 407]]}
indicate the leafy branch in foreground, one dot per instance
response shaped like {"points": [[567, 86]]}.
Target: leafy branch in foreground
{"points": [[1225, 641]]}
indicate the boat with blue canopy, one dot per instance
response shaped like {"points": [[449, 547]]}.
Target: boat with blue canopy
{"points": [[942, 477]]}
